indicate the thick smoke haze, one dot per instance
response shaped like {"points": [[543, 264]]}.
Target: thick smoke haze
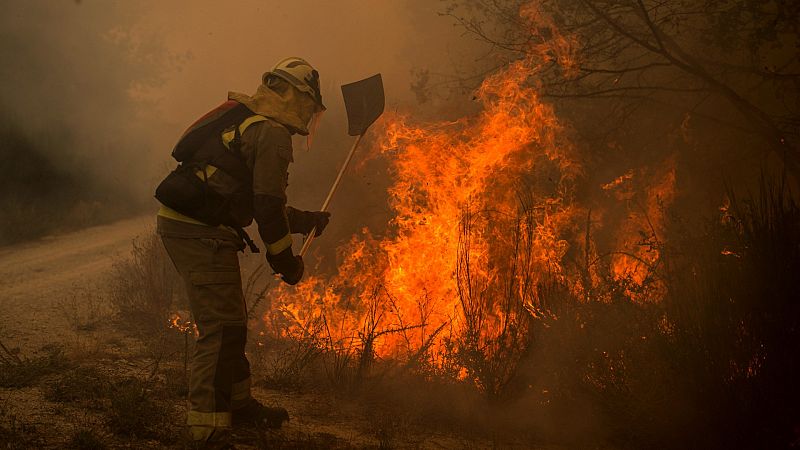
{"points": [[103, 89]]}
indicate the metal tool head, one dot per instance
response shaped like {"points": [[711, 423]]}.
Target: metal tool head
{"points": [[364, 102]]}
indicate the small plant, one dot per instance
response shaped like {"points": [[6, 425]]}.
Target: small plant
{"points": [[145, 292], [386, 428], [83, 310], [134, 412], [287, 368], [495, 332], [19, 371], [81, 384], [143, 288], [176, 381]]}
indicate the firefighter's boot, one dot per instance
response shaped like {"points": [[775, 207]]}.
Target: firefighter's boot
{"points": [[254, 413]]}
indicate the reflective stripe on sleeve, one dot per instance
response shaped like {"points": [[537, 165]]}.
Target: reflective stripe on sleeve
{"points": [[280, 245]]}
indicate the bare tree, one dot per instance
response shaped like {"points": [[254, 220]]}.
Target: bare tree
{"points": [[734, 63]]}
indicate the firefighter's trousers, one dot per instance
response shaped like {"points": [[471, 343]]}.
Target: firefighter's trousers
{"points": [[207, 260]]}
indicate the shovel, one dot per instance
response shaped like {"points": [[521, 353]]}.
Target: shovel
{"points": [[364, 102]]}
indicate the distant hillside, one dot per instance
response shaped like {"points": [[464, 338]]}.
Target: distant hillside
{"points": [[39, 196]]}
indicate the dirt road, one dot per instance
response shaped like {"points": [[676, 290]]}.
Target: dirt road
{"points": [[37, 277]]}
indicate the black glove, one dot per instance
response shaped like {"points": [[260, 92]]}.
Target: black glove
{"points": [[321, 219], [289, 266], [305, 221]]}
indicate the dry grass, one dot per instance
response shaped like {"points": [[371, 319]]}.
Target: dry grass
{"points": [[145, 288], [294, 441], [129, 404], [16, 434], [135, 412], [86, 439], [84, 310], [145, 293], [83, 384], [21, 371]]}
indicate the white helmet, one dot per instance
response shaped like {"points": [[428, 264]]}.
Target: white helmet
{"points": [[300, 74]]}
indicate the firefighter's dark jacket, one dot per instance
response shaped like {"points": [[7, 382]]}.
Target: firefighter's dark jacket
{"points": [[267, 150]]}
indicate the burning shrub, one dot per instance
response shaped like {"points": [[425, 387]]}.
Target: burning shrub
{"points": [[711, 356], [497, 309], [394, 297], [625, 323]]}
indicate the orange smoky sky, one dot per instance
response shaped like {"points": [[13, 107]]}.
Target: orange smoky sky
{"points": [[124, 78]]}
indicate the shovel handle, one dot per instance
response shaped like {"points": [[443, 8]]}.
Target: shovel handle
{"points": [[327, 202]]}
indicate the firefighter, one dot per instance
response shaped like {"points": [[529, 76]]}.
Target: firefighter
{"points": [[203, 245]]}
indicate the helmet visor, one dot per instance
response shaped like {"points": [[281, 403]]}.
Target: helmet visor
{"points": [[312, 127]]}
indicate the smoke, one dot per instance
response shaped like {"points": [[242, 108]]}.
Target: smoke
{"points": [[103, 89]]}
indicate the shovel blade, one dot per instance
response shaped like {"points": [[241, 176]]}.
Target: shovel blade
{"points": [[364, 102]]}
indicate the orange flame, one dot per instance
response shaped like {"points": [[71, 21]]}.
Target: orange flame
{"points": [[456, 192], [483, 212], [180, 321]]}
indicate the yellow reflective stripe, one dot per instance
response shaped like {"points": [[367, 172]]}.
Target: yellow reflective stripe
{"points": [[169, 213], [209, 170], [208, 419], [227, 136], [280, 245], [249, 121]]}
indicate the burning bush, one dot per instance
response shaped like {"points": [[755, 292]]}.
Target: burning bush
{"points": [[443, 267], [496, 274]]}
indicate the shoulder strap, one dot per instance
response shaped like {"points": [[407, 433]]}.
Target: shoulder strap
{"points": [[232, 160], [201, 133], [231, 135]]}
